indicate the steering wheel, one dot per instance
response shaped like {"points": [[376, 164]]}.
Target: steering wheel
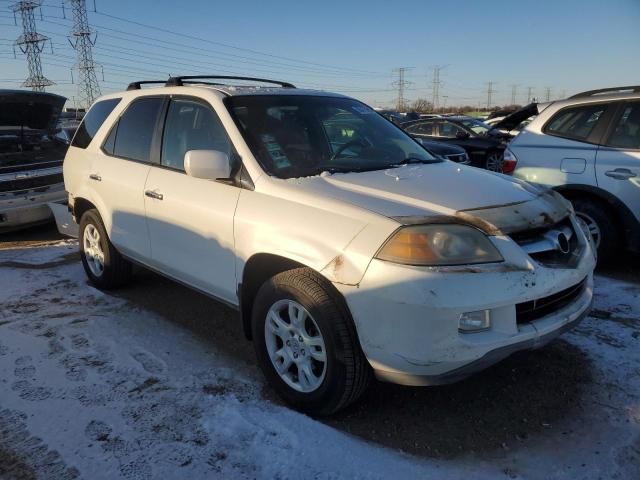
{"points": [[350, 143]]}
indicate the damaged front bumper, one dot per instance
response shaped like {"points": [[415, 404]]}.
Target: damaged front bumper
{"points": [[408, 318]]}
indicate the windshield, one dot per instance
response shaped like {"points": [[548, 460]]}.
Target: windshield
{"points": [[297, 136], [476, 126]]}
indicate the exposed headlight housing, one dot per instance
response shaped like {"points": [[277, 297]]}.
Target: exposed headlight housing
{"points": [[439, 245]]}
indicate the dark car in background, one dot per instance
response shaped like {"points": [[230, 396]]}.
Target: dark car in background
{"points": [[445, 150], [484, 146], [30, 157]]}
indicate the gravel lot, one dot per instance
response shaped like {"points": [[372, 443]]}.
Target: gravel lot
{"points": [[156, 381]]}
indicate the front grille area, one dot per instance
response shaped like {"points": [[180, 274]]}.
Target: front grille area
{"points": [[542, 245], [31, 183], [534, 309]]}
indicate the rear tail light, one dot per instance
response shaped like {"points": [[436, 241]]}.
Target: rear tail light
{"points": [[509, 161]]}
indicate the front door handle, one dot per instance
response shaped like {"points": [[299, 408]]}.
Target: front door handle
{"points": [[620, 174], [152, 194], [95, 177]]}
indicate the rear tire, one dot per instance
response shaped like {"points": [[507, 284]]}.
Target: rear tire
{"points": [[493, 161], [343, 375], [601, 223], [103, 264]]}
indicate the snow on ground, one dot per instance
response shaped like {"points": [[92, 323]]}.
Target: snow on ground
{"points": [[92, 386]]}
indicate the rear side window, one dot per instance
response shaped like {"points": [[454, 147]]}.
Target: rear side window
{"points": [[92, 122], [575, 123], [135, 129], [421, 128], [626, 133]]}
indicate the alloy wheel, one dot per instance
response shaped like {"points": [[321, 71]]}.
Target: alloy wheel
{"points": [[93, 250], [295, 346], [494, 162]]}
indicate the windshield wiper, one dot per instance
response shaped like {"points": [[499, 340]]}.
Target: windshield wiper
{"points": [[414, 160]]}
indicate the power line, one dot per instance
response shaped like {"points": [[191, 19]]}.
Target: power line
{"points": [[547, 93], [248, 50], [31, 43], [514, 91]]}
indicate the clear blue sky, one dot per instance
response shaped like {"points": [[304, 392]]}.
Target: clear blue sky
{"points": [[352, 46]]}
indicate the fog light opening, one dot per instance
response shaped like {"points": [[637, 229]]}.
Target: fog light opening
{"points": [[477, 321]]}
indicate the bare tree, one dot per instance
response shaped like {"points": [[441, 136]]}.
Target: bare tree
{"points": [[422, 106]]}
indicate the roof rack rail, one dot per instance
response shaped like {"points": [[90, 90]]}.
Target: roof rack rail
{"points": [[180, 81], [591, 93], [138, 85]]}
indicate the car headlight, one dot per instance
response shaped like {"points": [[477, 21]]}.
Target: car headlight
{"points": [[446, 244]]}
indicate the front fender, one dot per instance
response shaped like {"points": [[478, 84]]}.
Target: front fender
{"points": [[337, 246]]}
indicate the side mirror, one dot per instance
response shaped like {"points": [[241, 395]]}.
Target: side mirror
{"points": [[207, 164], [461, 134]]}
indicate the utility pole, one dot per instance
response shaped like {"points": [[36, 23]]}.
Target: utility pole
{"points": [[401, 83], [514, 90], [88, 87], [490, 92], [547, 94], [529, 94], [31, 43], [435, 85]]}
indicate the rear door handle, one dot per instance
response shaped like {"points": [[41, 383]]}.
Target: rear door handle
{"points": [[152, 194], [95, 177], [620, 174]]}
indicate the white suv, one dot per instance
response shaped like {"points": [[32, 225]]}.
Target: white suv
{"points": [[587, 147], [348, 248]]}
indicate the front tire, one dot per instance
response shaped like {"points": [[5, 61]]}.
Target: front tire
{"points": [[306, 343], [103, 264]]}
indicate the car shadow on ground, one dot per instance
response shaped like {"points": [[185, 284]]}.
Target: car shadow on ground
{"points": [[497, 409]]}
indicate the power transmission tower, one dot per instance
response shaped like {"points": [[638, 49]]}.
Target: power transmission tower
{"points": [[31, 44], [529, 94], [88, 88], [547, 93], [435, 84], [402, 84], [490, 92], [514, 91]]}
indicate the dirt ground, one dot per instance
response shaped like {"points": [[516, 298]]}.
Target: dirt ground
{"points": [[521, 402]]}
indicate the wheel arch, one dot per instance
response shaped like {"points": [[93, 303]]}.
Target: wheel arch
{"points": [[81, 205], [258, 269]]}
